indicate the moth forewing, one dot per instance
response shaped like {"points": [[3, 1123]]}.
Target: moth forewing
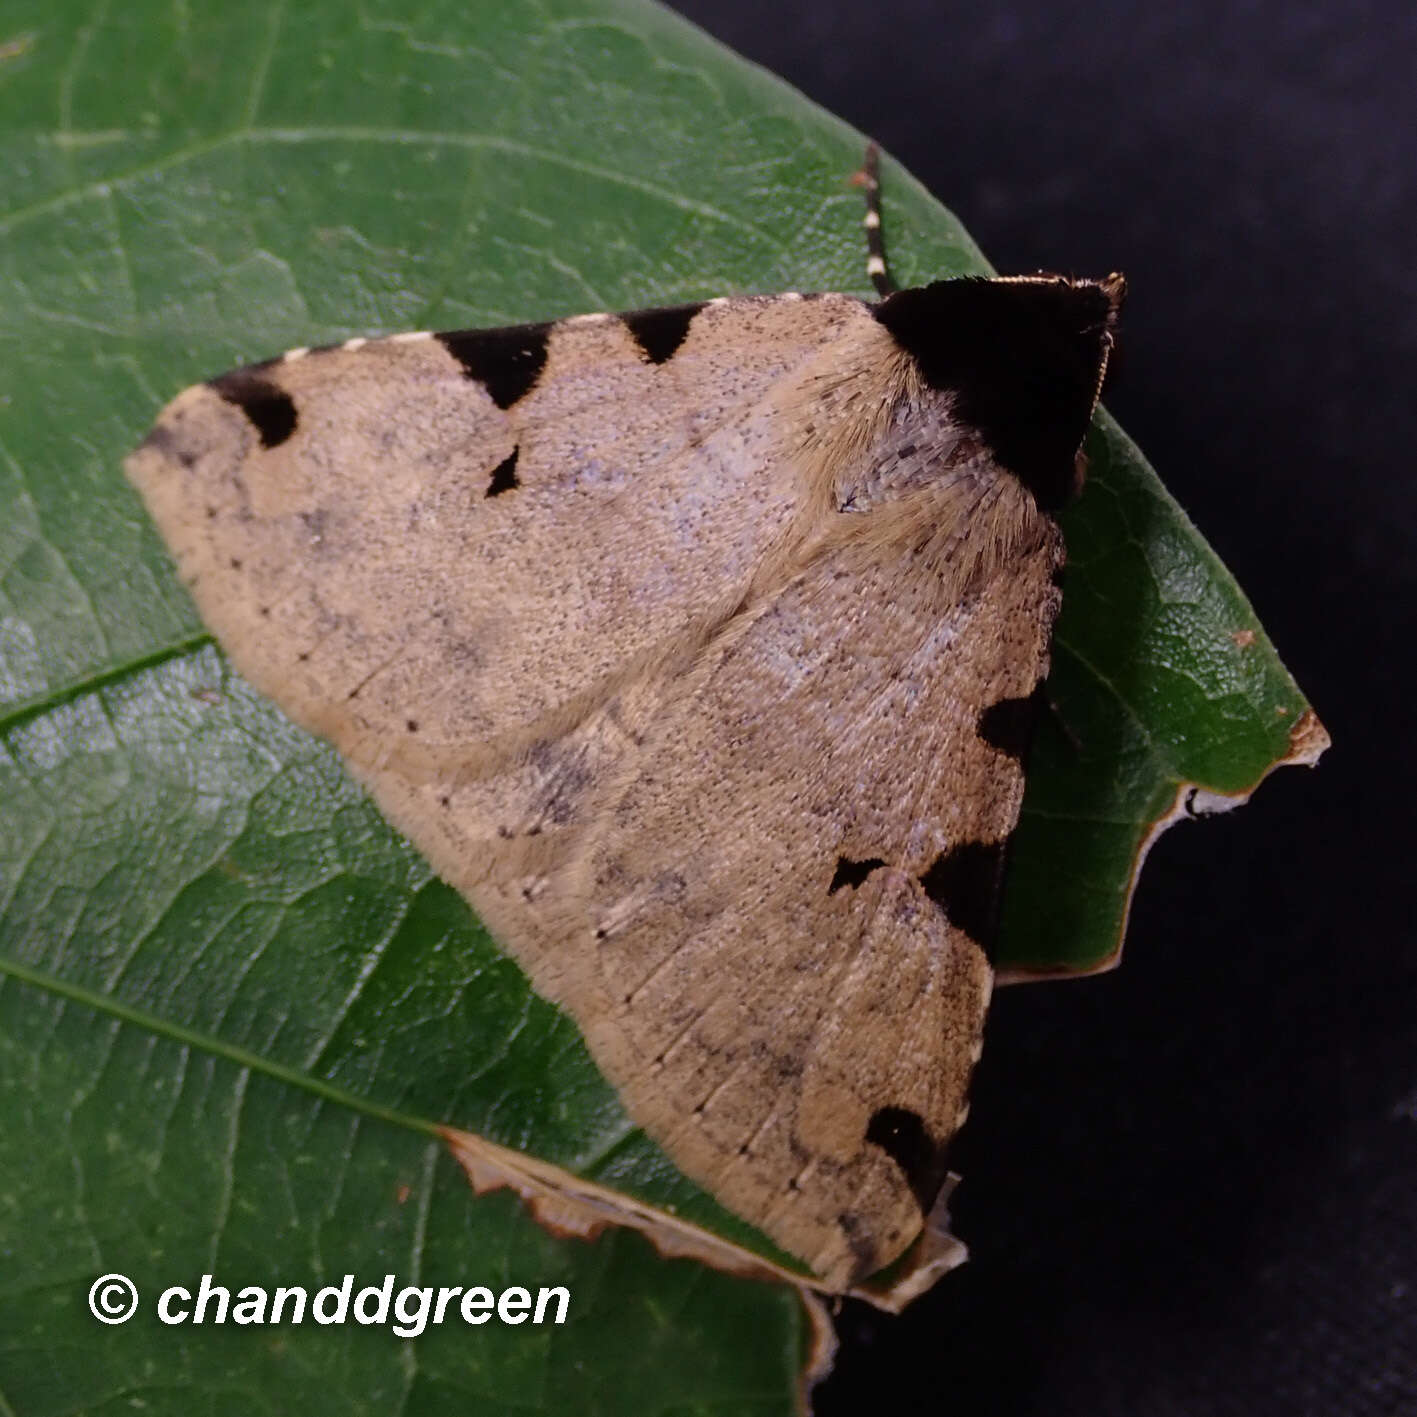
{"points": [[698, 648]]}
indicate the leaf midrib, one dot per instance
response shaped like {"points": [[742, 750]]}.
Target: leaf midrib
{"points": [[215, 1047], [16, 715]]}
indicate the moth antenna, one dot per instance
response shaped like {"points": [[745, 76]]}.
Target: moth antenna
{"points": [[870, 178]]}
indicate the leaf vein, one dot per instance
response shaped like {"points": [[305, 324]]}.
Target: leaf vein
{"points": [[22, 712]]}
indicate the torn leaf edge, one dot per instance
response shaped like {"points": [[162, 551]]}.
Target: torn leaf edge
{"points": [[1308, 741]]}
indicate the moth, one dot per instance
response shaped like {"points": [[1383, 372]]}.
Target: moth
{"points": [[698, 648]]}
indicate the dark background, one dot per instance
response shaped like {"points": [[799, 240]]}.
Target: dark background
{"points": [[1191, 1185]]}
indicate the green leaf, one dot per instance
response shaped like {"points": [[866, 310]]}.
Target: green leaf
{"points": [[232, 1003], [1168, 701]]}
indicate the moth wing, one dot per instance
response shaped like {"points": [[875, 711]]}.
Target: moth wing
{"points": [[783, 924], [487, 566], [441, 551]]}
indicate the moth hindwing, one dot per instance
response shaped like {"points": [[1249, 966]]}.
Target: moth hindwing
{"points": [[697, 648]]}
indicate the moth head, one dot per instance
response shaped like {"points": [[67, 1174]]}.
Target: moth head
{"points": [[1021, 359]]}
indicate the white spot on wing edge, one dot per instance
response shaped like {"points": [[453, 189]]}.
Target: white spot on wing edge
{"points": [[872, 220], [599, 318], [358, 342], [411, 337], [291, 355], [875, 266]]}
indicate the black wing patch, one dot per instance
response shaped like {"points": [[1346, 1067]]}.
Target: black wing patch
{"points": [[852, 873], [270, 409], [1022, 361], [904, 1137], [504, 476], [1008, 725], [660, 332], [506, 362], [964, 882]]}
